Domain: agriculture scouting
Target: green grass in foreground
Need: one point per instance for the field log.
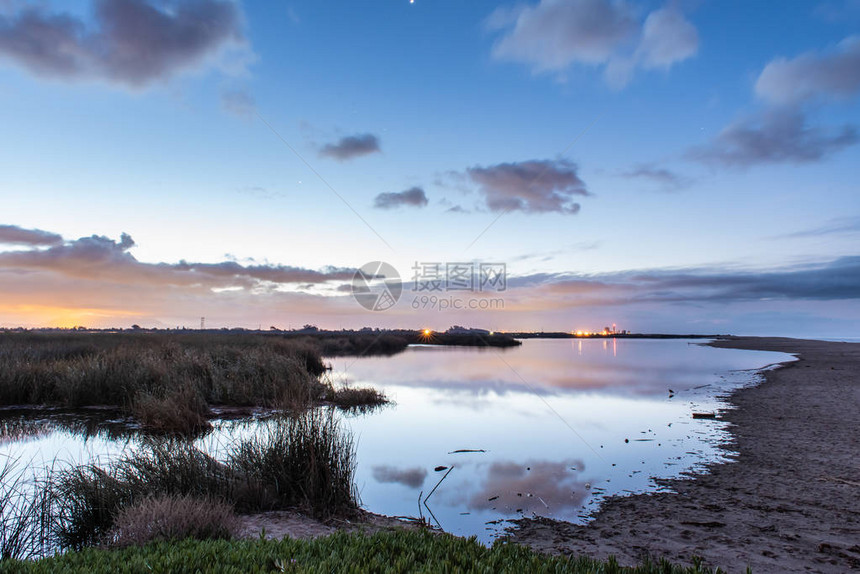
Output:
(395, 551)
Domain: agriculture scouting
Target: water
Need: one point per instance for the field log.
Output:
(556, 425)
(563, 423)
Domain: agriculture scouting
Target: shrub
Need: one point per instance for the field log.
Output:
(166, 518)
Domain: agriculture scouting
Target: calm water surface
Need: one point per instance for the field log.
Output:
(559, 424)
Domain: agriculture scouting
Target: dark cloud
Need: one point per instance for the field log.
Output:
(411, 477)
(554, 34)
(238, 102)
(132, 42)
(14, 235)
(834, 280)
(813, 75)
(351, 147)
(776, 136)
(536, 186)
(101, 258)
(413, 197)
(666, 178)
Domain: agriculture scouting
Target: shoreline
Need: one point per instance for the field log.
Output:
(788, 501)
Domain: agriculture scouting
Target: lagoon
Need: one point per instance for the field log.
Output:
(548, 428)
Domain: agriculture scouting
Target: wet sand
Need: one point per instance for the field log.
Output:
(790, 500)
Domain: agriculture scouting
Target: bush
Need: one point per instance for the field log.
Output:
(166, 518)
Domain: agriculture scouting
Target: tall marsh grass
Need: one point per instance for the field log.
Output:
(303, 462)
(168, 382)
(25, 519)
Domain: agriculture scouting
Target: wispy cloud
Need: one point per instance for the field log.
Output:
(666, 178)
(133, 43)
(351, 147)
(835, 226)
(412, 197)
(238, 102)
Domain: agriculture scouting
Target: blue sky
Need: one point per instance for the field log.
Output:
(595, 142)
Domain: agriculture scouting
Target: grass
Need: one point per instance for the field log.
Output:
(303, 462)
(24, 513)
(168, 382)
(393, 551)
(172, 518)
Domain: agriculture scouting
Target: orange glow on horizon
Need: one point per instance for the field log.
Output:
(59, 317)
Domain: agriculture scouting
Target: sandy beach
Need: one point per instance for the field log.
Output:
(788, 502)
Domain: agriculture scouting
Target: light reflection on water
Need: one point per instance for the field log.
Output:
(551, 416)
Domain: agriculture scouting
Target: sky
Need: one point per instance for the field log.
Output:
(678, 166)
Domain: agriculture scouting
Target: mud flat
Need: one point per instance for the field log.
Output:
(788, 502)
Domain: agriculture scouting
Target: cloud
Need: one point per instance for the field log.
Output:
(238, 102)
(553, 35)
(829, 75)
(834, 280)
(101, 258)
(132, 42)
(535, 186)
(537, 486)
(412, 197)
(836, 226)
(665, 177)
(411, 477)
(14, 235)
(775, 136)
(351, 147)
(667, 38)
